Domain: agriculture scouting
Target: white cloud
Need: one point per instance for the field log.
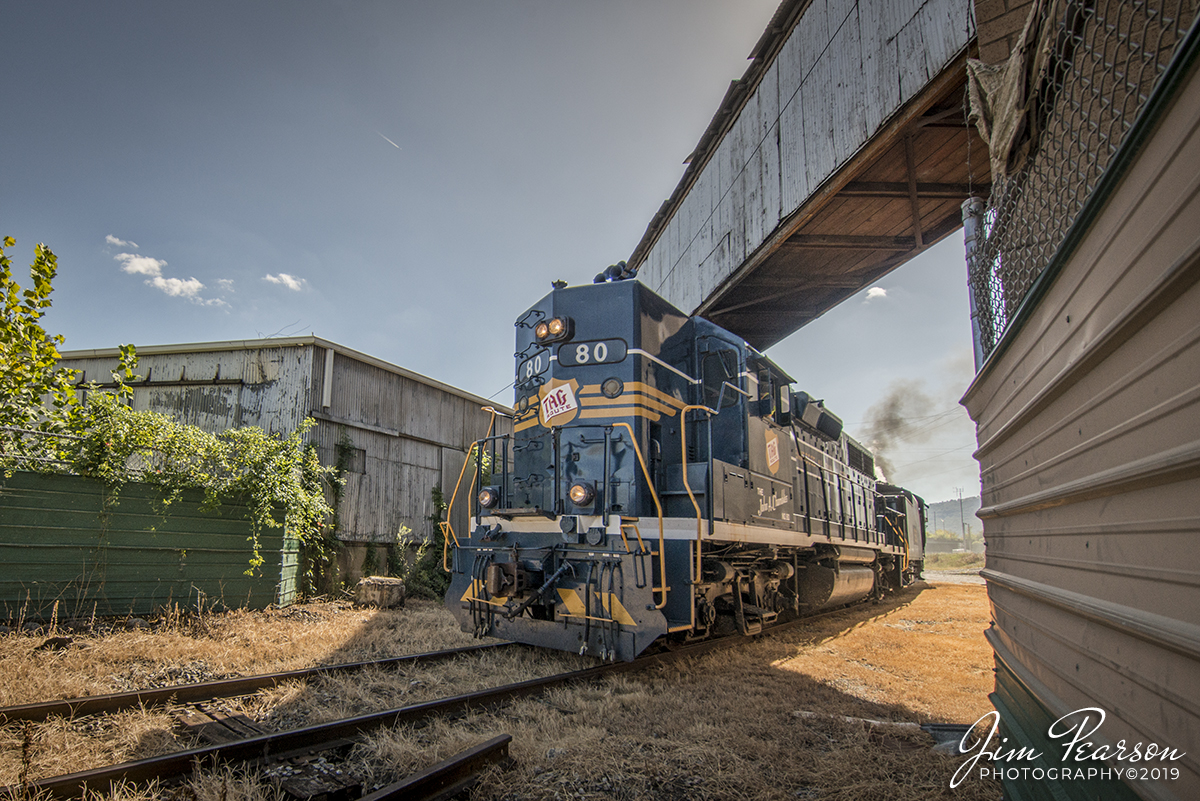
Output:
(875, 292)
(189, 288)
(177, 287)
(112, 240)
(141, 265)
(290, 281)
(225, 284)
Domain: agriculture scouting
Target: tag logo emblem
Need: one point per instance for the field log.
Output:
(559, 404)
(772, 451)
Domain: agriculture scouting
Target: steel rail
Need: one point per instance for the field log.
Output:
(208, 690)
(447, 778)
(311, 739)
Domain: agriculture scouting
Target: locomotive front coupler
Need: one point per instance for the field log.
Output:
(550, 582)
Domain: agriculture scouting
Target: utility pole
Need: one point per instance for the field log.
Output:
(962, 519)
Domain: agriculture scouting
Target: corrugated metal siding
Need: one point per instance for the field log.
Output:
(846, 67)
(403, 424)
(1089, 430)
(63, 539)
(219, 390)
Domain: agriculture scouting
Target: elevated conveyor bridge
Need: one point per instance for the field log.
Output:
(842, 152)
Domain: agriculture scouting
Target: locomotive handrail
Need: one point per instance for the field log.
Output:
(662, 539)
(903, 540)
(687, 484)
(446, 525)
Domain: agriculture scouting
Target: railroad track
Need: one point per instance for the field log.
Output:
(212, 690)
(303, 743)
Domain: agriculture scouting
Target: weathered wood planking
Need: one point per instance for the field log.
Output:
(846, 67)
(399, 424)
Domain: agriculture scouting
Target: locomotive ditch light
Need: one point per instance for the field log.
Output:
(581, 494)
(553, 330)
(488, 497)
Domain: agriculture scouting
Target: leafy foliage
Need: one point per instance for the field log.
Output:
(423, 576)
(103, 438)
(276, 475)
(370, 566)
(29, 356)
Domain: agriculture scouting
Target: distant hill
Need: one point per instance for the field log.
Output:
(945, 515)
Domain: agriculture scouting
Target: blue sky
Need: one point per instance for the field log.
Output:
(404, 178)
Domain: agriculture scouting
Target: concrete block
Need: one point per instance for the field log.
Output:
(380, 591)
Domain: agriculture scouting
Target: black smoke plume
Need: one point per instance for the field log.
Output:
(900, 416)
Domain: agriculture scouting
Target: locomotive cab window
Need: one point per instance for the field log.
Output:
(719, 367)
(774, 394)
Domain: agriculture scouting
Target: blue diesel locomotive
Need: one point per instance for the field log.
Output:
(663, 479)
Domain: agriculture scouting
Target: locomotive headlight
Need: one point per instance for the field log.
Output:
(581, 494)
(488, 497)
(553, 330)
(612, 387)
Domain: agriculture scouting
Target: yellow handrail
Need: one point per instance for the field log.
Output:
(903, 541)
(636, 533)
(662, 540)
(686, 484)
(447, 527)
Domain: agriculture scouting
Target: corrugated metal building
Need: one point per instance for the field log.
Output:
(1085, 279)
(398, 433)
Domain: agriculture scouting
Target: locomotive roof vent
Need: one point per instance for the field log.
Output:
(812, 414)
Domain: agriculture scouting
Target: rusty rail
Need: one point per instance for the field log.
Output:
(209, 690)
(447, 778)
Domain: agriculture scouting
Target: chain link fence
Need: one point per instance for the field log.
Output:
(28, 449)
(1100, 64)
(41, 451)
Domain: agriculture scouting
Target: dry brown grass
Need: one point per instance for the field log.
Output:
(219, 645)
(953, 561)
(931, 653)
(182, 650)
(719, 727)
(723, 726)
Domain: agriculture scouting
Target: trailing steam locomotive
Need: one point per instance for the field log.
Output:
(664, 479)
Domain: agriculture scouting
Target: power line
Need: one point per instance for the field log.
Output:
(497, 392)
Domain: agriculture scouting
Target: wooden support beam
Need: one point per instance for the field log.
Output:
(947, 118)
(926, 191)
(891, 243)
(946, 84)
(790, 314)
(845, 282)
(915, 201)
(817, 280)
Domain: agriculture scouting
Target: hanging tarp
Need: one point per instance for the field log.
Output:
(1010, 101)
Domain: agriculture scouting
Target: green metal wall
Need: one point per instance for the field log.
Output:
(68, 539)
